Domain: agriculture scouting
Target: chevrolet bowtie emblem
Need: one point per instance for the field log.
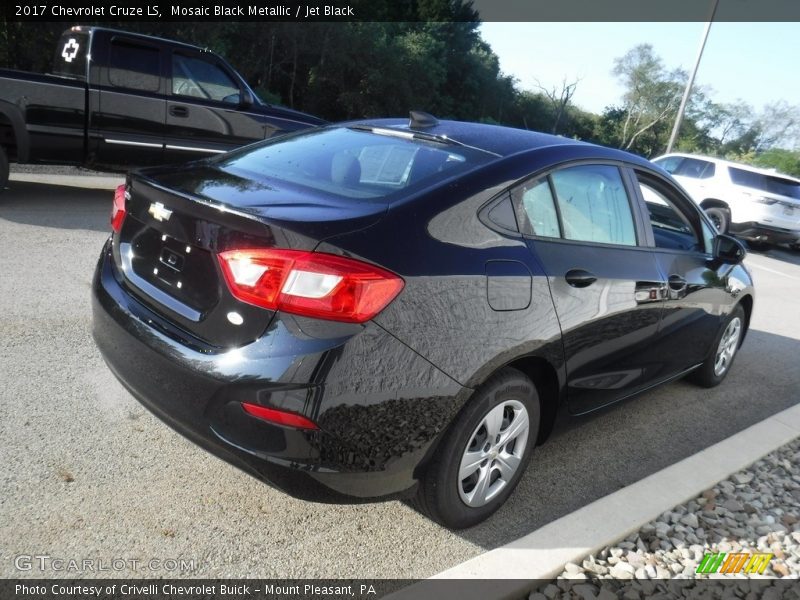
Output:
(158, 211)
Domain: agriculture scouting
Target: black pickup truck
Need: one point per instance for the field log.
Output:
(118, 100)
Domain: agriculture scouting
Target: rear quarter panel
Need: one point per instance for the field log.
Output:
(440, 247)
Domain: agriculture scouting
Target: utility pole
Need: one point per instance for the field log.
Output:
(682, 109)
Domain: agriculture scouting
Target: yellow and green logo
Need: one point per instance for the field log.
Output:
(734, 562)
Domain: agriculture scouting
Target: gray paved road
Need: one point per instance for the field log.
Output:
(89, 474)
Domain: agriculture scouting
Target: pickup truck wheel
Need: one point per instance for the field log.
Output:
(3, 169)
(720, 217)
(484, 454)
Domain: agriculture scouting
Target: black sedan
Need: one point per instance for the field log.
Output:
(394, 308)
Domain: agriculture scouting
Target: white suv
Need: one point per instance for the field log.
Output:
(755, 204)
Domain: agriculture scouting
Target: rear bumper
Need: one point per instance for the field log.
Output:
(379, 405)
(763, 233)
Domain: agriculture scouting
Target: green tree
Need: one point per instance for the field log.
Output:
(779, 125)
(780, 159)
(651, 98)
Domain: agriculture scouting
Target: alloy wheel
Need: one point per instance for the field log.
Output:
(727, 346)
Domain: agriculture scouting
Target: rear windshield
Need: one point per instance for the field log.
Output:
(352, 163)
(766, 183)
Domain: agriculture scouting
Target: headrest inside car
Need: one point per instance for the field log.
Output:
(345, 169)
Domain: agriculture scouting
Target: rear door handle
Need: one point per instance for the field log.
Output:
(579, 278)
(179, 111)
(676, 282)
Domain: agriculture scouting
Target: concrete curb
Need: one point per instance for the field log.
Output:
(94, 182)
(541, 555)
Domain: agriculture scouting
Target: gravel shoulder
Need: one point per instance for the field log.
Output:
(756, 510)
(60, 170)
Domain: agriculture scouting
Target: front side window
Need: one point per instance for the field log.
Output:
(694, 168)
(669, 164)
(199, 78)
(671, 228)
(134, 66)
(594, 205)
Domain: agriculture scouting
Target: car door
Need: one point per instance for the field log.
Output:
(204, 112)
(55, 110)
(582, 226)
(129, 108)
(696, 298)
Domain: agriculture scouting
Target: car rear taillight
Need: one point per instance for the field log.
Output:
(118, 209)
(311, 284)
(280, 417)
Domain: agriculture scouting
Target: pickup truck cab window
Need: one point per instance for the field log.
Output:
(198, 78)
(134, 66)
(70, 55)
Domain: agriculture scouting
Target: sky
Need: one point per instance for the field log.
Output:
(754, 62)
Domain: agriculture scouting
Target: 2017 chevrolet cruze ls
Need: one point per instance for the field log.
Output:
(393, 308)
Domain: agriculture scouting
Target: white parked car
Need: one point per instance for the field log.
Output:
(756, 204)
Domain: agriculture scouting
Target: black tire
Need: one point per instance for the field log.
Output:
(706, 375)
(795, 246)
(720, 217)
(3, 169)
(440, 491)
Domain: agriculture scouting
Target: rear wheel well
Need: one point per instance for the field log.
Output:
(714, 203)
(545, 378)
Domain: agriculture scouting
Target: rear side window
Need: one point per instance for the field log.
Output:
(134, 66)
(352, 163)
(766, 183)
(538, 208)
(594, 205)
(199, 78)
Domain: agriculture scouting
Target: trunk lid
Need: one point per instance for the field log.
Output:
(179, 219)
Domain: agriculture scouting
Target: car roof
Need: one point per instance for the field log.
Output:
(497, 139)
(730, 163)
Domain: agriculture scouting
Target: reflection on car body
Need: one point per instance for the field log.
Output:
(414, 301)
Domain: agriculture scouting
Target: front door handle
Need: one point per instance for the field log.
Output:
(676, 282)
(179, 111)
(579, 278)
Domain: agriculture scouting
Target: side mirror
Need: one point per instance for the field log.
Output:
(246, 99)
(728, 249)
